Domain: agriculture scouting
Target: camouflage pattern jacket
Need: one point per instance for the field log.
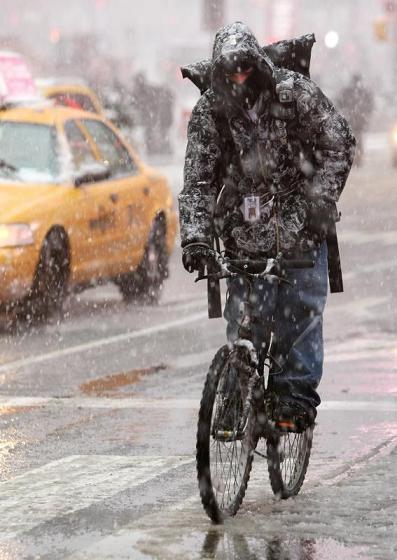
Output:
(294, 152)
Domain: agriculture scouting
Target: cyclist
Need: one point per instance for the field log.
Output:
(266, 160)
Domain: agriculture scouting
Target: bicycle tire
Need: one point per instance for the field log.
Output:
(288, 473)
(210, 487)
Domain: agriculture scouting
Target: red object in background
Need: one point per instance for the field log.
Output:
(390, 5)
(68, 101)
(16, 81)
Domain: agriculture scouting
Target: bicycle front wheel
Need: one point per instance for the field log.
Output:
(288, 457)
(224, 453)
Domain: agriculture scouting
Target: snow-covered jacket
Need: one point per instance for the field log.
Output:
(295, 154)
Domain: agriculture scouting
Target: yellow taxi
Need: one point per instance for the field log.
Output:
(68, 94)
(77, 206)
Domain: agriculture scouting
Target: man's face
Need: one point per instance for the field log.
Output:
(240, 76)
(244, 83)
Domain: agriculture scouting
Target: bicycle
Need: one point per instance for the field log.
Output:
(236, 411)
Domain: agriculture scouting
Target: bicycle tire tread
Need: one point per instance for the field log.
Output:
(208, 499)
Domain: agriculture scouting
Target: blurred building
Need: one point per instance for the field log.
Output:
(103, 37)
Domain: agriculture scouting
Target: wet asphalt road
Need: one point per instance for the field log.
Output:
(98, 415)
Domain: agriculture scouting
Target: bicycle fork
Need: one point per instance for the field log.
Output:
(244, 382)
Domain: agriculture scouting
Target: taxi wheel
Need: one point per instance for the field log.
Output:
(146, 282)
(50, 282)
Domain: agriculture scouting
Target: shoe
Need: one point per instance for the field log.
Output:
(291, 416)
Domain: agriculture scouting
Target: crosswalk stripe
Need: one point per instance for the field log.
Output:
(87, 402)
(73, 483)
(168, 404)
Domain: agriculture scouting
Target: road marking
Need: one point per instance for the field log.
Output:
(359, 237)
(359, 355)
(73, 483)
(383, 405)
(388, 264)
(86, 402)
(102, 342)
(360, 348)
(363, 308)
(382, 449)
(334, 352)
(363, 343)
(347, 406)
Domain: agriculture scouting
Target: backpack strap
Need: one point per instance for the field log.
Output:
(285, 107)
(214, 289)
(334, 265)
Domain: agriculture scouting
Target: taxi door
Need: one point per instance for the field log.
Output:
(127, 191)
(90, 215)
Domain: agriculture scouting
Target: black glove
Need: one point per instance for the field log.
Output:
(321, 219)
(195, 256)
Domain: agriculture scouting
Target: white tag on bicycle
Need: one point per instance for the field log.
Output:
(252, 208)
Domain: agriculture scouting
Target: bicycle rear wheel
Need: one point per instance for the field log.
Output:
(288, 457)
(224, 456)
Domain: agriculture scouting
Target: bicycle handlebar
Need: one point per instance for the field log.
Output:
(270, 267)
(283, 263)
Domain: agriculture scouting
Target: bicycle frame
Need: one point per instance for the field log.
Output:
(238, 407)
(254, 373)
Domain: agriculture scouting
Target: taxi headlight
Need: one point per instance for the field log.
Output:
(15, 235)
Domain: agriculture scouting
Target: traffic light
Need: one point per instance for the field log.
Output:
(381, 29)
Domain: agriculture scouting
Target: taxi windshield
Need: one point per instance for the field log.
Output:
(28, 152)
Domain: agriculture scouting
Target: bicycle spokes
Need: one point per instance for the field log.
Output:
(227, 463)
(292, 454)
(227, 448)
(288, 458)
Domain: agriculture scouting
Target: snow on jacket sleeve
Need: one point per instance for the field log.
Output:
(198, 197)
(332, 139)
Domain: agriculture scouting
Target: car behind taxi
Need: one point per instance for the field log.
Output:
(70, 93)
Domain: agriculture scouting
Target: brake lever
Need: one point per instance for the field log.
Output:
(200, 275)
(214, 276)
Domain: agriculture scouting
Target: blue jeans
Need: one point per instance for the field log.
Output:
(294, 313)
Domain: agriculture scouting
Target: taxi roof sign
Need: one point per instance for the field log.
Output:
(16, 81)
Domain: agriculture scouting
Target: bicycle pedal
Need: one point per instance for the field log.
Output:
(225, 435)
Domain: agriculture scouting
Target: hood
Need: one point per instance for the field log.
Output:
(236, 45)
(236, 38)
